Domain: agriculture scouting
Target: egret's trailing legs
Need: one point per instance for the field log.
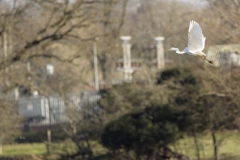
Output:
(205, 58)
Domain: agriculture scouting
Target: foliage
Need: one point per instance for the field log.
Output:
(193, 95)
(197, 103)
(126, 98)
(205, 93)
(146, 132)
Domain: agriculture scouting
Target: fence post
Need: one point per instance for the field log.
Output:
(48, 141)
(1, 148)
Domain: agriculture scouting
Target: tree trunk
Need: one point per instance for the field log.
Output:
(196, 145)
(90, 153)
(1, 148)
(215, 146)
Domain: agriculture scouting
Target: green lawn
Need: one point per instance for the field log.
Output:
(229, 146)
(24, 149)
(40, 148)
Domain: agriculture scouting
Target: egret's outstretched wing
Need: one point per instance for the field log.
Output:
(196, 40)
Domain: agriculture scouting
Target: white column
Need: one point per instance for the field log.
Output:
(127, 68)
(16, 93)
(95, 62)
(160, 53)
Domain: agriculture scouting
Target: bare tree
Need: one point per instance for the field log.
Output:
(10, 122)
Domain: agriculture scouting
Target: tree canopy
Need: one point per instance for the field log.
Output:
(147, 132)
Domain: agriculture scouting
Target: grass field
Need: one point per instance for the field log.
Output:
(229, 143)
(229, 146)
(24, 149)
(40, 148)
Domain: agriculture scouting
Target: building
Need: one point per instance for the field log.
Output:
(40, 110)
(225, 56)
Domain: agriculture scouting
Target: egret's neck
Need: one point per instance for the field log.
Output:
(177, 50)
(180, 52)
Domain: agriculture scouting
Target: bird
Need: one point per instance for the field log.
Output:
(196, 42)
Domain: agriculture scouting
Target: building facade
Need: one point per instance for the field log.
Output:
(225, 56)
(40, 110)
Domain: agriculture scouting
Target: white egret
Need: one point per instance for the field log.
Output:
(196, 42)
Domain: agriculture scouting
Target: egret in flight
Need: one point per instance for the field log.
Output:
(196, 42)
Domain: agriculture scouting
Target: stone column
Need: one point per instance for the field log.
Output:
(95, 62)
(160, 53)
(127, 68)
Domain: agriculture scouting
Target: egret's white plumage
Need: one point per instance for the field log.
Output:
(196, 42)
